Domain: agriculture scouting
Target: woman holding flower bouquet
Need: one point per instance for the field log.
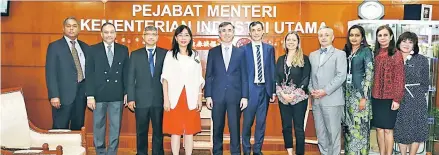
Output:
(292, 78)
(358, 109)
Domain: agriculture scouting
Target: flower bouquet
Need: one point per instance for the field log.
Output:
(289, 94)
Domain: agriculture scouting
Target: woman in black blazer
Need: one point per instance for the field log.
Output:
(293, 68)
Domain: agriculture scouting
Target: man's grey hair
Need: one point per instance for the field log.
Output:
(223, 24)
(150, 28)
(326, 27)
(68, 18)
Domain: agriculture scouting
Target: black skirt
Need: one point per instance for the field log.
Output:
(382, 115)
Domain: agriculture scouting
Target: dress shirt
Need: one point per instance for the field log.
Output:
(226, 54)
(81, 55)
(153, 52)
(322, 55)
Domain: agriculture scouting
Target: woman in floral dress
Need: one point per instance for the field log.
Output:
(358, 111)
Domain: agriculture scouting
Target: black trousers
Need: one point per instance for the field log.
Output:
(296, 114)
(143, 115)
(73, 113)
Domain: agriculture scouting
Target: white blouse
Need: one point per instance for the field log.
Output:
(184, 72)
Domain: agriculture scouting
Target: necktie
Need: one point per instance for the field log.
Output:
(110, 55)
(323, 50)
(259, 62)
(227, 58)
(151, 61)
(77, 62)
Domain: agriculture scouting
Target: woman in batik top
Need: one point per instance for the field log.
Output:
(358, 110)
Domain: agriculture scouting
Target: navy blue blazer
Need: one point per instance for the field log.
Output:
(220, 83)
(105, 83)
(61, 74)
(269, 67)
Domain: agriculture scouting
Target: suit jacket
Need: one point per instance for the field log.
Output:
(329, 76)
(61, 74)
(146, 90)
(107, 83)
(220, 83)
(269, 67)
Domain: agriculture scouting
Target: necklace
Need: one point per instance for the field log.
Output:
(287, 70)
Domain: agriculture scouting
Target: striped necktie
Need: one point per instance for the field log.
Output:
(259, 62)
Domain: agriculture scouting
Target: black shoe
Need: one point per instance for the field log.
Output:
(246, 153)
(260, 153)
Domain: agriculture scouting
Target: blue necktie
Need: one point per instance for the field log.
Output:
(151, 61)
(259, 62)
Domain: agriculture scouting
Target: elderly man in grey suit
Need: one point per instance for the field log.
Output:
(328, 73)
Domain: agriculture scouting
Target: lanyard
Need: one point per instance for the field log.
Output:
(350, 61)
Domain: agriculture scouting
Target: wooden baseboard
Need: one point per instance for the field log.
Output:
(270, 143)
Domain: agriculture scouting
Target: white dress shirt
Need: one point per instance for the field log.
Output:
(153, 53)
(184, 72)
(255, 58)
(81, 55)
(227, 54)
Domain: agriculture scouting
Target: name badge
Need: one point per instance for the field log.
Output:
(349, 79)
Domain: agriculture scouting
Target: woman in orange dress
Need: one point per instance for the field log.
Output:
(182, 91)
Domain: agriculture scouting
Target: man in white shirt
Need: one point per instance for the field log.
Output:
(106, 88)
(226, 88)
(261, 69)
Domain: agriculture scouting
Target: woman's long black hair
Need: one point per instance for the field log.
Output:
(348, 45)
(391, 48)
(175, 48)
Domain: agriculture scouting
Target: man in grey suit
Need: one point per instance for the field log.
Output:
(328, 73)
(106, 88)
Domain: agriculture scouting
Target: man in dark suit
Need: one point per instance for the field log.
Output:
(226, 88)
(107, 71)
(145, 93)
(65, 78)
(261, 68)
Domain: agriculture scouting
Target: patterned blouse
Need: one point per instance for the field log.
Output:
(389, 77)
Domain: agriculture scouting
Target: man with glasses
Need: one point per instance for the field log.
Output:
(145, 93)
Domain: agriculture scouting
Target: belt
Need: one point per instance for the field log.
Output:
(259, 84)
(409, 85)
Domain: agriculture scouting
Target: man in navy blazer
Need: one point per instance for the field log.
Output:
(65, 77)
(226, 88)
(261, 69)
(107, 71)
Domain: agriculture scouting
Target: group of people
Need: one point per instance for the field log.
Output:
(385, 88)
(354, 87)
